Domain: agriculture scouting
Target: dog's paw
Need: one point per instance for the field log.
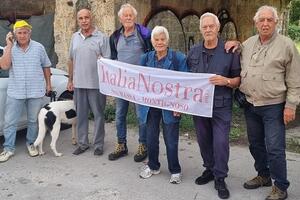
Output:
(41, 153)
(58, 154)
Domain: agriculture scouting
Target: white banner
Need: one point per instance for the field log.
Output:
(183, 92)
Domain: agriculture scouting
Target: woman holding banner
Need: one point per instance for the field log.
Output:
(164, 58)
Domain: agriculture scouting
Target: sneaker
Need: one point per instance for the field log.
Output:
(79, 150)
(221, 187)
(120, 151)
(147, 172)
(258, 181)
(32, 150)
(5, 155)
(175, 178)
(141, 153)
(206, 177)
(277, 194)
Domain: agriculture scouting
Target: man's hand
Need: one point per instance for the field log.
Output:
(9, 39)
(176, 114)
(233, 44)
(218, 80)
(70, 86)
(289, 115)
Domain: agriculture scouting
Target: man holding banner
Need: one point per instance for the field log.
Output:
(213, 133)
(127, 45)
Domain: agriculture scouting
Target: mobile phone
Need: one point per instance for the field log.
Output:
(13, 37)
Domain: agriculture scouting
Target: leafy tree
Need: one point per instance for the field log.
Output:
(295, 12)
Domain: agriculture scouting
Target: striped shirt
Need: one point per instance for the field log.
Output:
(26, 76)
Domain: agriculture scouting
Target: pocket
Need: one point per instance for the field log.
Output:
(273, 85)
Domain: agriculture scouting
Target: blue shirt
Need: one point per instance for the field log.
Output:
(130, 48)
(168, 62)
(216, 61)
(26, 76)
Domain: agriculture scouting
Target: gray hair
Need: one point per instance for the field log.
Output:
(208, 14)
(266, 7)
(158, 30)
(127, 5)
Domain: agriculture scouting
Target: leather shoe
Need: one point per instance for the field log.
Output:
(79, 150)
(98, 152)
(206, 177)
(221, 187)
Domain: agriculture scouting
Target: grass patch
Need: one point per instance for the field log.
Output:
(237, 133)
(293, 145)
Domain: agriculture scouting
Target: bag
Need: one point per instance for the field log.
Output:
(240, 98)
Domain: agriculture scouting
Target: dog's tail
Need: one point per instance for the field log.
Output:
(42, 127)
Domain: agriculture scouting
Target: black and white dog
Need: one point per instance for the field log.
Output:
(50, 118)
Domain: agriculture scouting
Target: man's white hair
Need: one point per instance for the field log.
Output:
(158, 30)
(208, 14)
(127, 5)
(266, 7)
(29, 30)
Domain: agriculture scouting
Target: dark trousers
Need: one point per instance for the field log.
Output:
(266, 135)
(171, 137)
(213, 139)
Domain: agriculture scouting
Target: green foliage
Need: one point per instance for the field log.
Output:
(109, 113)
(294, 32)
(295, 12)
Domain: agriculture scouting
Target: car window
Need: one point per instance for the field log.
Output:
(3, 73)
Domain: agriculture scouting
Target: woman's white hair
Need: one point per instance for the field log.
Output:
(15, 31)
(127, 5)
(158, 30)
(208, 14)
(266, 7)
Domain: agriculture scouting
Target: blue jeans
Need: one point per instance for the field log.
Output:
(121, 113)
(266, 135)
(171, 137)
(13, 112)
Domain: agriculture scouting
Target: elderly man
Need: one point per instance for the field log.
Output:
(213, 133)
(127, 45)
(270, 80)
(29, 79)
(86, 46)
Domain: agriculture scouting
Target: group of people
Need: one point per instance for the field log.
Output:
(265, 68)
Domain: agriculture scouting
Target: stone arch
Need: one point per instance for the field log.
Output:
(228, 29)
(168, 18)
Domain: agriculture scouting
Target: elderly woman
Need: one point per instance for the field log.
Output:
(165, 58)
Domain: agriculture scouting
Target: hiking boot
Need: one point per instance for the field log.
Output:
(147, 172)
(175, 178)
(120, 151)
(32, 150)
(206, 177)
(277, 194)
(5, 155)
(141, 153)
(221, 187)
(258, 181)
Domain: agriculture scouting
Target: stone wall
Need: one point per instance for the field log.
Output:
(180, 17)
(65, 23)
